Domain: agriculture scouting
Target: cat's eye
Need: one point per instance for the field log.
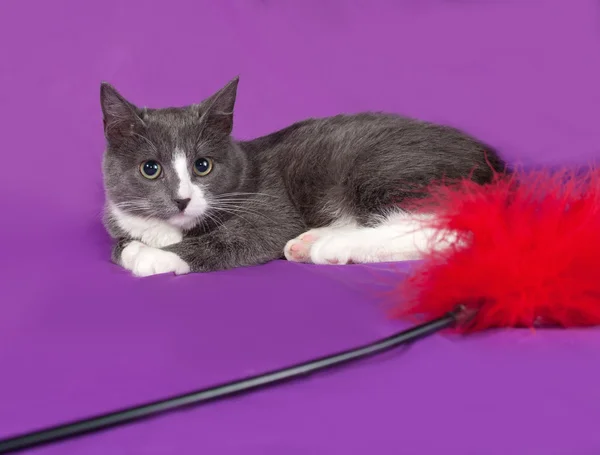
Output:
(203, 166)
(150, 169)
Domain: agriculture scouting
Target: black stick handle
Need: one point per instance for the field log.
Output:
(128, 415)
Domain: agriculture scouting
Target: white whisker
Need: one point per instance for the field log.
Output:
(239, 210)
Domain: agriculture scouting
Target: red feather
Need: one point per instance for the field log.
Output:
(530, 254)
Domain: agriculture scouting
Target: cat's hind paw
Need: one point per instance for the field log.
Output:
(143, 260)
(327, 246)
(301, 249)
(334, 249)
(298, 249)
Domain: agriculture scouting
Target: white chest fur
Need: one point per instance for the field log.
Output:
(151, 232)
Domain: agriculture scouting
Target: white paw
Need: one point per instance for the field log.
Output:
(298, 249)
(143, 260)
(164, 236)
(336, 248)
(302, 248)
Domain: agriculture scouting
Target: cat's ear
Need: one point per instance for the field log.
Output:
(121, 118)
(217, 111)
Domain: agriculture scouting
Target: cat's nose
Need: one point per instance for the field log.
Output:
(181, 203)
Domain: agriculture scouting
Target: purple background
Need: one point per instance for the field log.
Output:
(79, 336)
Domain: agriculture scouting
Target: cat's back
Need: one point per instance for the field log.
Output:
(356, 134)
(335, 130)
(389, 147)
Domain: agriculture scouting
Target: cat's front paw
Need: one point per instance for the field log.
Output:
(143, 260)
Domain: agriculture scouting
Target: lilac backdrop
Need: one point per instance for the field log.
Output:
(79, 336)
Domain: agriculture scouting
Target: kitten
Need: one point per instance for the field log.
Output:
(184, 196)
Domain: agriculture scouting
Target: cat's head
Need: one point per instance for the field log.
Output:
(168, 164)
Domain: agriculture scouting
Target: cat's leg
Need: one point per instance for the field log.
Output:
(257, 238)
(399, 237)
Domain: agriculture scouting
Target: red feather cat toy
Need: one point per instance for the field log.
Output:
(526, 252)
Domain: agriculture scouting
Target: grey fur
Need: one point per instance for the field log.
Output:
(304, 176)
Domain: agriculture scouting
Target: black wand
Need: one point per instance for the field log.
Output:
(128, 415)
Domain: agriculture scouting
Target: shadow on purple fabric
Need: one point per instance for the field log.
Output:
(79, 336)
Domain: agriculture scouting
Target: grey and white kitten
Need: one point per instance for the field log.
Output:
(184, 196)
